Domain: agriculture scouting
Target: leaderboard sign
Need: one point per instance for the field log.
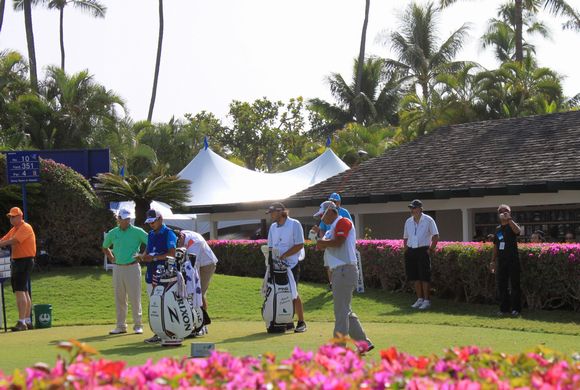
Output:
(23, 167)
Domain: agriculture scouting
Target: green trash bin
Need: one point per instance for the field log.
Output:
(43, 316)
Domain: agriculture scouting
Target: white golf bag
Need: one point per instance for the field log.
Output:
(170, 313)
(278, 306)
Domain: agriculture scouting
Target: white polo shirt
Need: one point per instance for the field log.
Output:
(196, 244)
(420, 234)
(282, 238)
(346, 253)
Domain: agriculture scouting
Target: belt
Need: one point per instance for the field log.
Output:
(135, 262)
(420, 247)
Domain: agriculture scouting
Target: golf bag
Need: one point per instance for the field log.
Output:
(186, 265)
(170, 313)
(278, 306)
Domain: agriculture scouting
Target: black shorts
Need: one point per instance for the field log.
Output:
(418, 264)
(21, 269)
(296, 273)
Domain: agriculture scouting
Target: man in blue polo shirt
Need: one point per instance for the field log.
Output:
(322, 228)
(161, 243)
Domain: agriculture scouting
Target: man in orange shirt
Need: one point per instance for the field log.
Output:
(23, 241)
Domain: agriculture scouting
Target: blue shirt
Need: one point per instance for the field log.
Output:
(342, 212)
(159, 243)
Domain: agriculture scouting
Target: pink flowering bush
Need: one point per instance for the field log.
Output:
(460, 270)
(331, 367)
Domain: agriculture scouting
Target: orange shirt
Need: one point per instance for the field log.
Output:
(25, 245)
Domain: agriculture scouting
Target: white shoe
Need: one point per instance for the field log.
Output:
(118, 331)
(138, 329)
(417, 304)
(425, 305)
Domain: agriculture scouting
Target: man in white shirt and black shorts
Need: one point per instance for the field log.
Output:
(420, 238)
(286, 241)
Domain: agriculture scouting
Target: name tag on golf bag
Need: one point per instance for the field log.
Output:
(170, 316)
(278, 307)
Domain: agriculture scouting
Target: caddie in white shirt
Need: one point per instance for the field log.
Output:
(420, 238)
(286, 241)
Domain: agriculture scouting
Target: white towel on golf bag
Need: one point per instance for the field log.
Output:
(192, 284)
(291, 282)
(181, 287)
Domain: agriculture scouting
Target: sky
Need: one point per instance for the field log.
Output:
(222, 50)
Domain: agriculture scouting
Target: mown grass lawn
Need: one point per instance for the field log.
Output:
(84, 296)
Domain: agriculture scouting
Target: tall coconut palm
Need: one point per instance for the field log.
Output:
(420, 57)
(168, 189)
(501, 32)
(555, 7)
(26, 6)
(361, 54)
(157, 63)
(376, 102)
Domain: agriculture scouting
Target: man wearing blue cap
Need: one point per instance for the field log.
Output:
(322, 228)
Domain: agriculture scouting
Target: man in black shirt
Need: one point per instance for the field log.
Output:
(507, 262)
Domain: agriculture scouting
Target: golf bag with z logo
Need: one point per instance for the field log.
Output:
(278, 306)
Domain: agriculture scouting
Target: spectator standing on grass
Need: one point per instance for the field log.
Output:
(506, 262)
(286, 241)
(126, 240)
(22, 239)
(420, 239)
(161, 243)
(322, 228)
(339, 245)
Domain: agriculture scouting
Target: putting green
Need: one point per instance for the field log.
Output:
(23, 349)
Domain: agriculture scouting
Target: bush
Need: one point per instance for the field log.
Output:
(331, 367)
(66, 213)
(461, 271)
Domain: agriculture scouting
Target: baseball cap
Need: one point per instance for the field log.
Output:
(416, 203)
(334, 196)
(275, 207)
(324, 206)
(124, 214)
(152, 215)
(14, 211)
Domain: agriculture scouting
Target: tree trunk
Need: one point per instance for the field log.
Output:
(30, 43)
(2, 6)
(519, 27)
(361, 62)
(157, 62)
(62, 38)
(141, 207)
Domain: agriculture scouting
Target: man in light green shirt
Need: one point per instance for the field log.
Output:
(126, 240)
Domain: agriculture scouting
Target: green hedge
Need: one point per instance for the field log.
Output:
(64, 210)
(460, 271)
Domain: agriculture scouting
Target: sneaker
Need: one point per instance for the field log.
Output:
(205, 329)
(153, 340)
(370, 347)
(425, 305)
(329, 286)
(290, 326)
(118, 331)
(300, 327)
(138, 329)
(29, 326)
(19, 327)
(417, 303)
(515, 313)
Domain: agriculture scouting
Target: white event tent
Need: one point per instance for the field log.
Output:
(217, 181)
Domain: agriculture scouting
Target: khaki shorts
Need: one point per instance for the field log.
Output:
(205, 274)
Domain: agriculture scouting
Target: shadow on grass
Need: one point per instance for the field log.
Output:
(255, 337)
(136, 348)
(318, 301)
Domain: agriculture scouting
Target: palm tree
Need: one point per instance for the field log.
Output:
(97, 9)
(168, 189)
(376, 102)
(83, 109)
(501, 32)
(555, 7)
(157, 62)
(26, 6)
(361, 54)
(419, 57)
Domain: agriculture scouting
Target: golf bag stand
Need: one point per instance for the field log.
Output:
(278, 306)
